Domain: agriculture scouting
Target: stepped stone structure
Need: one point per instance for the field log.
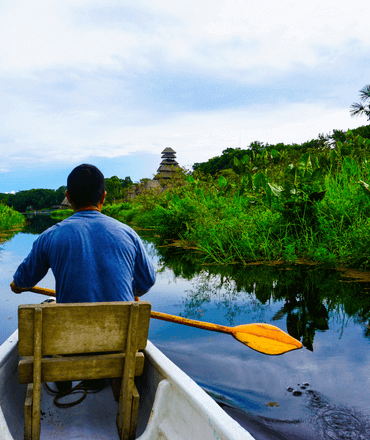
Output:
(166, 169)
(168, 165)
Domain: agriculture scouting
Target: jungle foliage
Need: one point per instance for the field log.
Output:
(269, 204)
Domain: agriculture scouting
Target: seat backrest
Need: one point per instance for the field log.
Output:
(91, 331)
(82, 327)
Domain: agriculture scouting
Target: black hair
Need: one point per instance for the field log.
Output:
(85, 185)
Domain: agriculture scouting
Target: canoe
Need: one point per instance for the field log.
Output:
(172, 406)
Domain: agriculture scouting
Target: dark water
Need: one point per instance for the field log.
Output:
(329, 315)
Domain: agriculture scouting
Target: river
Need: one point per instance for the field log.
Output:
(317, 393)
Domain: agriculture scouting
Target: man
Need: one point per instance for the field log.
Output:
(94, 258)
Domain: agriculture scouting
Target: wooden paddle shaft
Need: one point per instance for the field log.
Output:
(191, 322)
(43, 291)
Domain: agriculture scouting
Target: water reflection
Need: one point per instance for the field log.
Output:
(311, 296)
(38, 223)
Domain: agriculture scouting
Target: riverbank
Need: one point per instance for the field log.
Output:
(315, 209)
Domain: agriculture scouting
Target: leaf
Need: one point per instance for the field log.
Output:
(276, 190)
(271, 404)
(222, 182)
(305, 165)
(190, 179)
(274, 153)
(315, 161)
(318, 176)
(304, 160)
(246, 159)
(236, 161)
(259, 181)
(247, 180)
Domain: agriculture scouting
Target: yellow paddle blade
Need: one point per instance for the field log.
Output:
(265, 338)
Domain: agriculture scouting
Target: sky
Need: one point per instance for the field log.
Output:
(113, 83)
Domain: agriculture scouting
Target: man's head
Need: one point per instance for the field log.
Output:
(85, 186)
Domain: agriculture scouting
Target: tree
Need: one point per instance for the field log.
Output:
(363, 107)
(115, 188)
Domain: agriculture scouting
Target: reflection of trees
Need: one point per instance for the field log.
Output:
(36, 224)
(223, 290)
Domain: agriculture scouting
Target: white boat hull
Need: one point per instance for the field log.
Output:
(172, 406)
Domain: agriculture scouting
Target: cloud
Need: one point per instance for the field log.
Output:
(208, 35)
(195, 136)
(91, 78)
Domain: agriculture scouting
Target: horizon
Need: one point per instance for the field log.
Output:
(137, 181)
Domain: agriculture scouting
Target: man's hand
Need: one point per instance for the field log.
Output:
(17, 289)
(138, 292)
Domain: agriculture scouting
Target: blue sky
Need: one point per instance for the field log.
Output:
(113, 83)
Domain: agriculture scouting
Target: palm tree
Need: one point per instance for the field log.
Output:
(362, 108)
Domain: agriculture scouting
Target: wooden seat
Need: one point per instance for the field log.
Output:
(88, 333)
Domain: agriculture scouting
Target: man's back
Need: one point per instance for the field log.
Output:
(93, 257)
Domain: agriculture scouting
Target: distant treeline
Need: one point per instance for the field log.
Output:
(33, 199)
(291, 151)
(37, 199)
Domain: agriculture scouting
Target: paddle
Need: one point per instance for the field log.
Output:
(264, 338)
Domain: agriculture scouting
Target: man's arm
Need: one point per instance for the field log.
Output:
(32, 270)
(144, 273)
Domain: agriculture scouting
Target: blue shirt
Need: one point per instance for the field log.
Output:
(93, 257)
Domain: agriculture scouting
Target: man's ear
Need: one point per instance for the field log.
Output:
(102, 198)
(69, 199)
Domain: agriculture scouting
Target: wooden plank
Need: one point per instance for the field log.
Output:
(36, 395)
(134, 412)
(86, 327)
(79, 367)
(28, 413)
(125, 401)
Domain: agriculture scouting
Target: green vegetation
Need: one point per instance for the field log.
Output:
(269, 205)
(116, 188)
(61, 214)
(10, 219)
(34, 199)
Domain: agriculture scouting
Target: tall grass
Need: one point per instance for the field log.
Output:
(10, 219)
(61, 214)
